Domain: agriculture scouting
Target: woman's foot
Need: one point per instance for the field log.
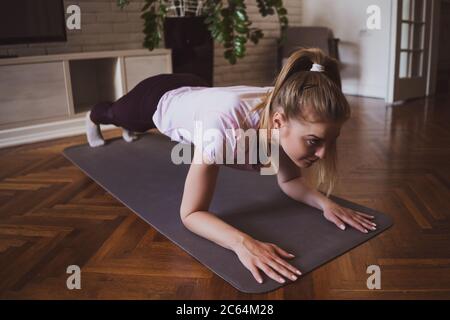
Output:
(128, 135)
(93, 133)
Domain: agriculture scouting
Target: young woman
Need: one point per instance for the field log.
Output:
(306, 108)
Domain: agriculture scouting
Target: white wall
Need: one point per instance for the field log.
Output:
(364, 53)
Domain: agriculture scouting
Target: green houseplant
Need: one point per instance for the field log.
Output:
(227, 20)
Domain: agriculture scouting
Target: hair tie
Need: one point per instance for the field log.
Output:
(317, 67)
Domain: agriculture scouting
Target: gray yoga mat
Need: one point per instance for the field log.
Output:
(141, 175)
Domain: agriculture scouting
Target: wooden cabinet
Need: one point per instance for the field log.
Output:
(32, 91)
(47, 97)
(140, 68)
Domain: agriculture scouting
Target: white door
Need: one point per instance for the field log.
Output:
(410, 49)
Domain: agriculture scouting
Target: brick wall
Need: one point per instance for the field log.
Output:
(104, 26)
(258, 67)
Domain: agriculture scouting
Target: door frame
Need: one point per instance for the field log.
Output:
(432, 56)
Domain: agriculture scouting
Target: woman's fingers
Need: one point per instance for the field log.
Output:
(364, 215)
(337, 221)
(348, 219)
(271, 264)
(282, 262)
(365, 220)
(354, 223)
(255, 272)
(362, 219)
(275, 264)
(272, 274)
(365, 223)
(282, 252)
(258, 255)
(288, 266)
(358, 221)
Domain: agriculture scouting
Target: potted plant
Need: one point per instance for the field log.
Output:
(227, 21)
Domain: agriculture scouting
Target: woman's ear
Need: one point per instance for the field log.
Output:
(278, 119)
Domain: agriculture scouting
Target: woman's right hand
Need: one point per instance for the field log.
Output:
(268, 257)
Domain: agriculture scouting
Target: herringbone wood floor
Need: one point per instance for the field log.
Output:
(394, 159)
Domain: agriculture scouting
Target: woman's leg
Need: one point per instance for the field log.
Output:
(134, 111)
(125, 113)
(93, 133)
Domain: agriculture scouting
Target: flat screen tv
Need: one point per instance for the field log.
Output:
(28, 21)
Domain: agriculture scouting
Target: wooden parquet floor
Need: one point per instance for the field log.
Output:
(395, 159)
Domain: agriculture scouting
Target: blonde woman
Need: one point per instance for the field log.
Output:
(305, 107)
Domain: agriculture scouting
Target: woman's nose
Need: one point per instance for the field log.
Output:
(320, 152)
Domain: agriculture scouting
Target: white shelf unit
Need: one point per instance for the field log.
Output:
(47, 97)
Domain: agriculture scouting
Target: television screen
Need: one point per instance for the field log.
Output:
(26, 21)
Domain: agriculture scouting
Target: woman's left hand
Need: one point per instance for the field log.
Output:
(341, 216)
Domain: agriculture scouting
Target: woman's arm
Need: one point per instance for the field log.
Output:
(198, 192)
(299, 190)
(254, 254)
(293, 184)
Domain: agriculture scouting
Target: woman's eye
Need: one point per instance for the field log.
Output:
(313, 142)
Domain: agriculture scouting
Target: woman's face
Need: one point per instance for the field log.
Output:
(305, 142)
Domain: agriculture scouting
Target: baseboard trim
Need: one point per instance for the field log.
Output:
(363, 90)
(43, 132)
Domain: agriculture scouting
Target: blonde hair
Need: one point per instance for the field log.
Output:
(304, 94)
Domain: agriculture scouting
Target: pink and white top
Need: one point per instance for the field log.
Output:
(223, 108)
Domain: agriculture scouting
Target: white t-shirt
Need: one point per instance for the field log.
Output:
(226, 109)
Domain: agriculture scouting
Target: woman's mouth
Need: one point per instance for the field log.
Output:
(309, 161)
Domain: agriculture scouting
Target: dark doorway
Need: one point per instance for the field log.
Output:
(443, 66)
